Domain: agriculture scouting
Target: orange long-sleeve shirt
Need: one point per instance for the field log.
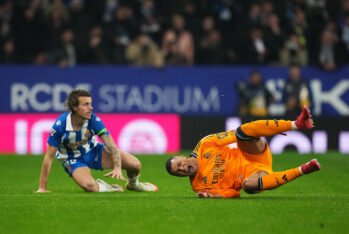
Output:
(223, 169)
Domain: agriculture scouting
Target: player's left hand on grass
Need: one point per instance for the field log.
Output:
(117, 174)
(206, 194)
(202, 194)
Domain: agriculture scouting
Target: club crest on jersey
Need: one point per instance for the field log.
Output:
(88, 134)
(207, 155)
(204, 179)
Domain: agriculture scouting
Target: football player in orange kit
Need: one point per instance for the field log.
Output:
(215, 170)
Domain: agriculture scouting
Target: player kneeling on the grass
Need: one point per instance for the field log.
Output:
(72, 140)
(215, 170)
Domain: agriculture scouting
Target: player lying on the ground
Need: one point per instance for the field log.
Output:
(72, 140)
(215, 170)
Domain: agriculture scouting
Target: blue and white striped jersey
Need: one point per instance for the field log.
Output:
(74, 144)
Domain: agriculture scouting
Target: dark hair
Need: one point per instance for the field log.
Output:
(168, 165)
(73, 98)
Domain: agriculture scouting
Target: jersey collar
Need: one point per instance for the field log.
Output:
(69, 125)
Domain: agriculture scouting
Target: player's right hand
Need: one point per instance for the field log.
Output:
(116, 173)
(42, 190)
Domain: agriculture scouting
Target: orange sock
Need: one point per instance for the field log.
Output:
(276, 179)
(261, 128)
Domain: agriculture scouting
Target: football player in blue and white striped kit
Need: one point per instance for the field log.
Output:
(72, 141)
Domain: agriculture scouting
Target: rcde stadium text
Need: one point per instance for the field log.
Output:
(114, 98)
(151, 98)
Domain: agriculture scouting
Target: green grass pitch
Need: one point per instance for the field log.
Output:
(318, 203)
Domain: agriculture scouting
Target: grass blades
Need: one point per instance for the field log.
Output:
(318, 203)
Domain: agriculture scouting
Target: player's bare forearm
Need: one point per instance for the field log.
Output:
(115, 155)
(112, 149)
(46, 168)
(45, 171)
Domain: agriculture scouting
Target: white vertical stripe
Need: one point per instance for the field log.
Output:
(72, 137)
(84, 130)
(36, 135)
(344, 142)
(21, 129)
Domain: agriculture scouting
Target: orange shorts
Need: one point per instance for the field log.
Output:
(258, 162)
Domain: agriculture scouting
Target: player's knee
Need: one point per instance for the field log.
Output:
(250, 186)
(137, 166)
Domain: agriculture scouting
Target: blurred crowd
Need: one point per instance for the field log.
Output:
(175, 32)
(255, 98)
